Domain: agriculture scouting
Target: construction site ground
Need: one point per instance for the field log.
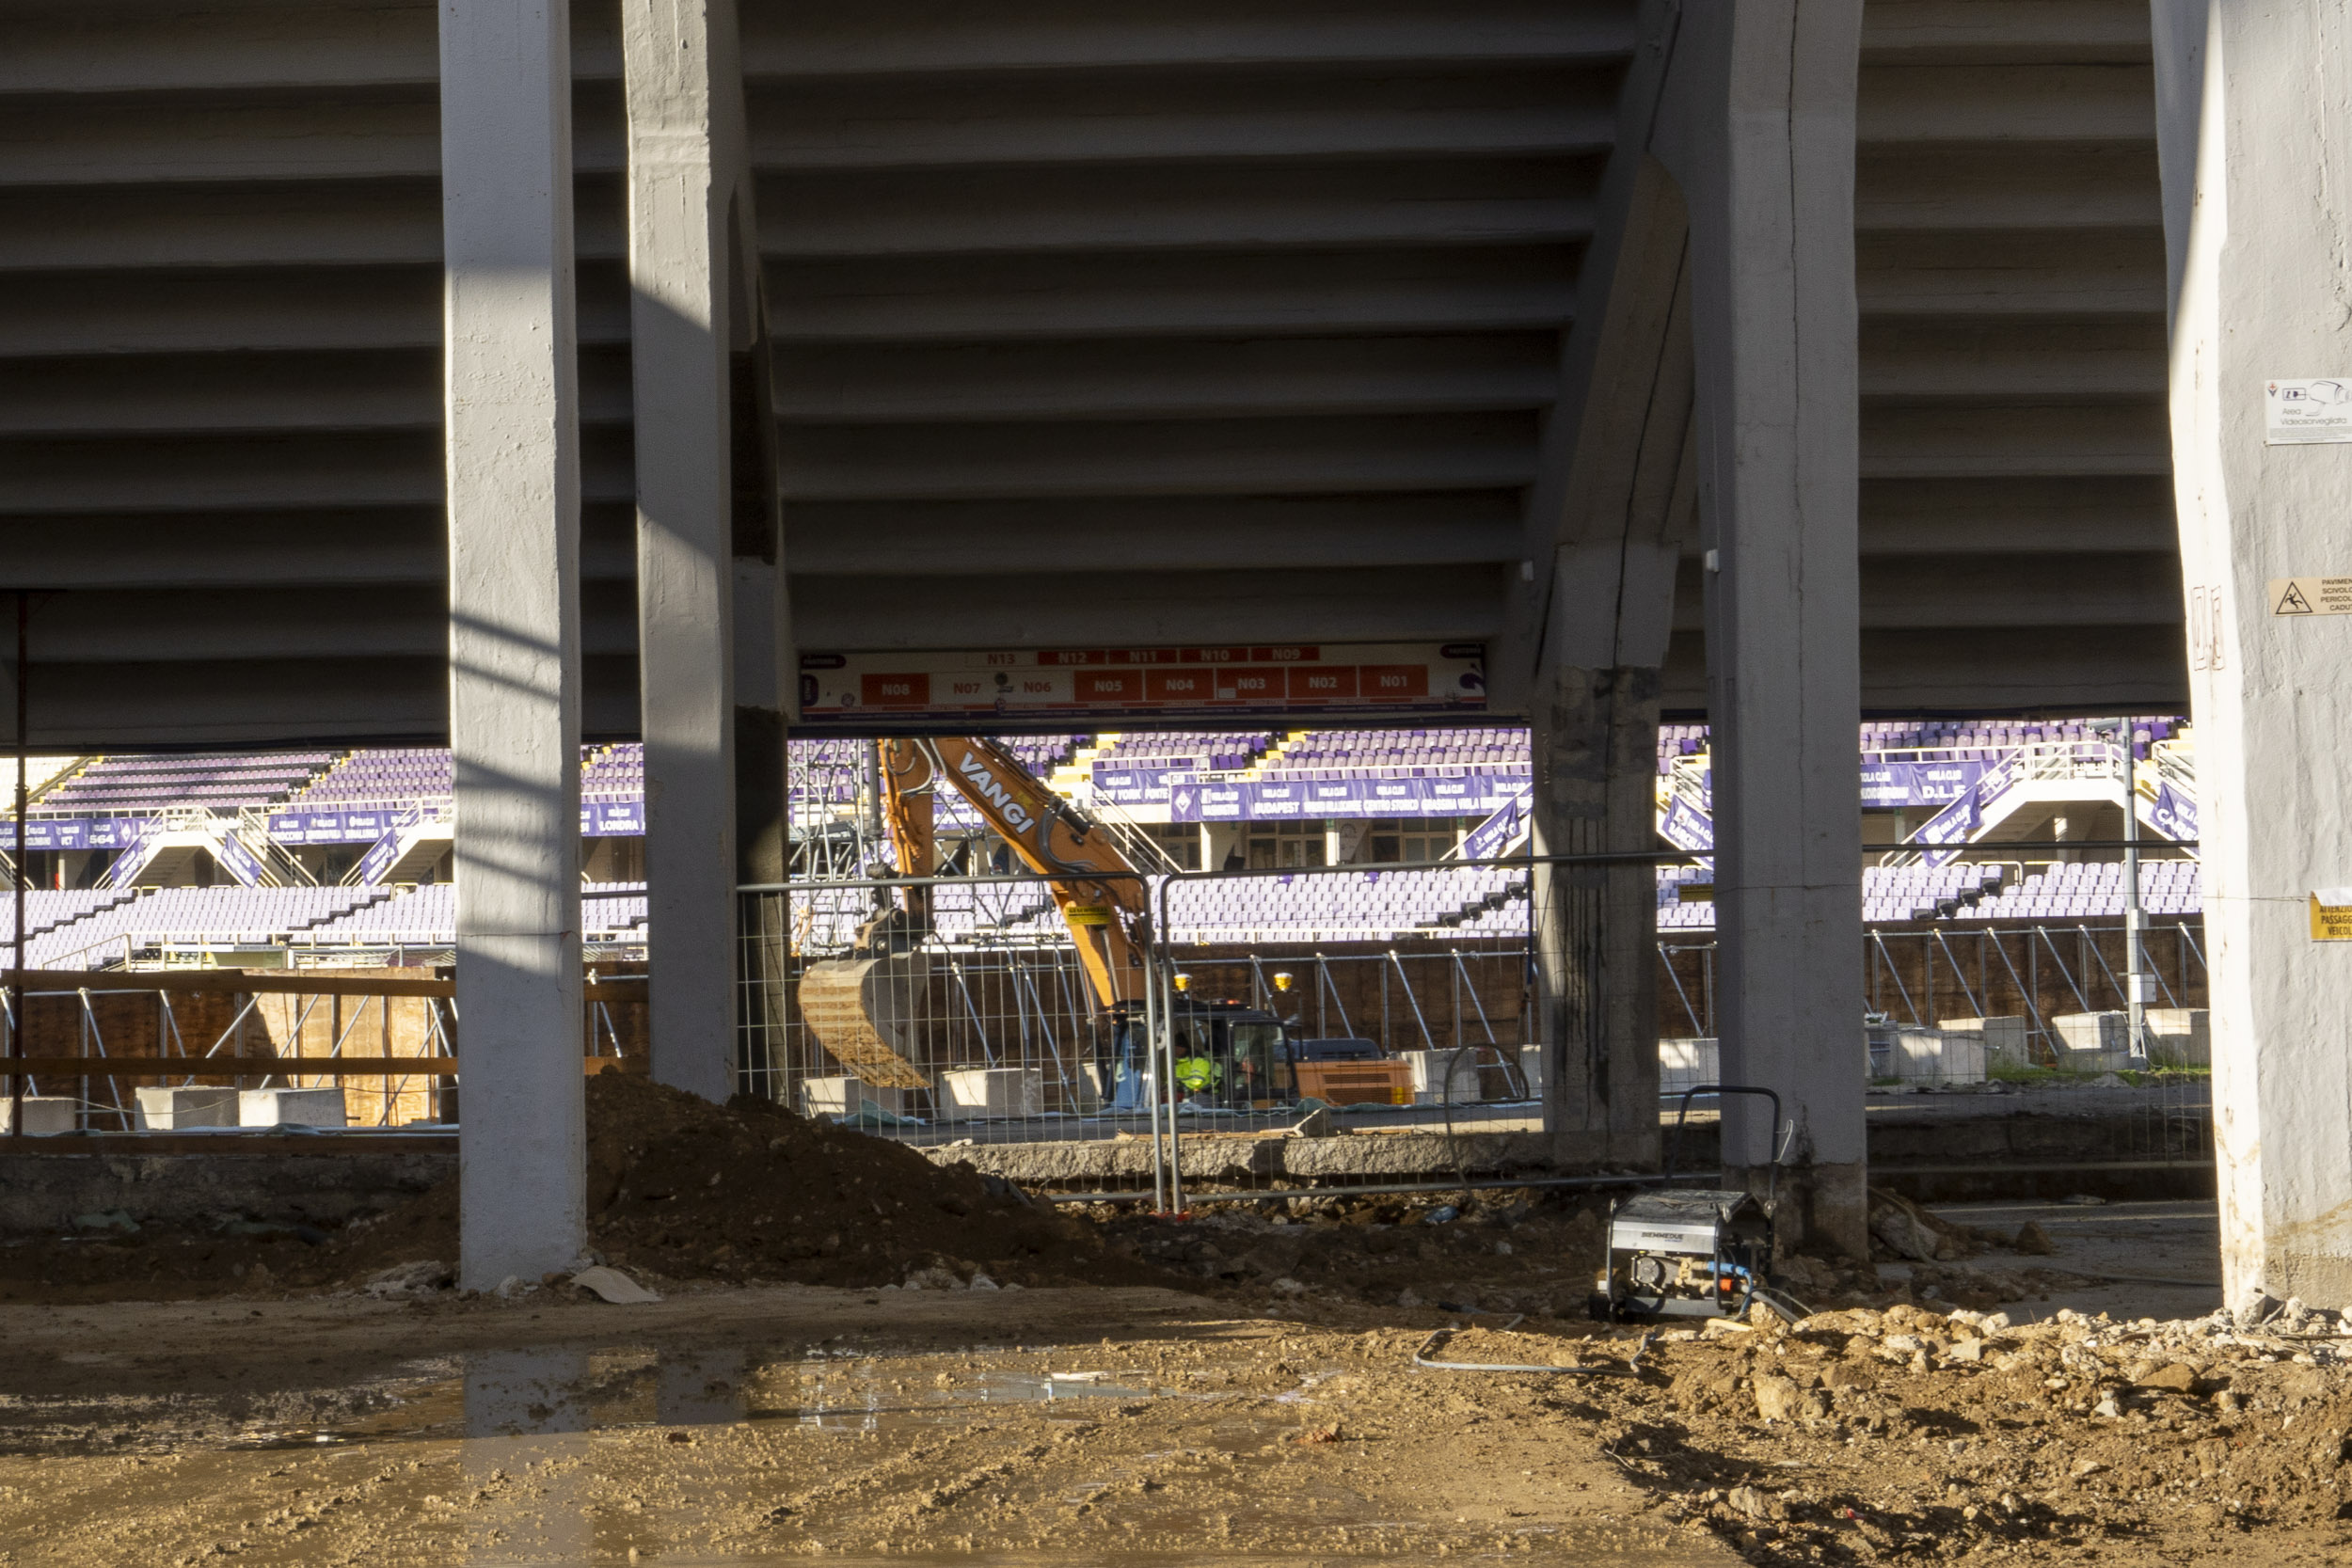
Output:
(984, 1379)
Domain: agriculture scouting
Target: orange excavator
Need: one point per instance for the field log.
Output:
(864, 1009)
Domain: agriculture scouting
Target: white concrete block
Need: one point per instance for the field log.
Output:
(1431, 1069)
(164, 1110)
(967, 1094)
(2180, 1037)
(843, 1094)
(2109, 1031)
(1934, 1058)
(2094, 1042)
(1532, 1068)
(44, 1113)
(1686, 1064)
(2003, 1039)
(290, 1108)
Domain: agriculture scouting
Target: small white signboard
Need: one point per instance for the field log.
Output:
(2298, 411)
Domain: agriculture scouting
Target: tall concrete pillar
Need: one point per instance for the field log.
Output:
(1757, 124)
(1608, 520)
(512, 432)
(683, 95)
(767, 694)
(766, 688)
(2251, 104)
(1595, 743)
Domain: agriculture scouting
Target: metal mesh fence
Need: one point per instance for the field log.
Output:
(1404, 1004)
(983, 1034)
(1311, 1028)
(1382, 998)
(2039, 1016)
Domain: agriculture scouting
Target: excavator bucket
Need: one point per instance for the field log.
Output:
(867, 1011)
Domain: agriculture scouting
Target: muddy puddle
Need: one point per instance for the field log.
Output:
(1243, 1442)
(557, 1392)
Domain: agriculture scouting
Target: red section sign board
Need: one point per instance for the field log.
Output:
(1389, 680)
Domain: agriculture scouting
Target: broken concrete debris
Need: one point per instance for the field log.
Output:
(611, 1285)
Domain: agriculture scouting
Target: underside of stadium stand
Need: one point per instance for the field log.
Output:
(1080, 326)
(1269, 415)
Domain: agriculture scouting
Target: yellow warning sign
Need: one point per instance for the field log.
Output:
(1086, 914)
(2310, 595)
(2331, 914)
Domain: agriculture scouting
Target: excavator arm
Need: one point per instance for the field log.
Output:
(906, 803)
(867, 1009)
(1094, 885)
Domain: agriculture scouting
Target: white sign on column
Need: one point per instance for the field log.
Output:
(2300, 410)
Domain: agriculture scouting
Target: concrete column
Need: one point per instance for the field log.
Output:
(767, 686)
(2252, 103)
(512, 413)
(682, 92)
(1758, 126)
(1608, 520)
(1596, 740)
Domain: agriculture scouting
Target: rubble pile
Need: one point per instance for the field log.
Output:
(1874, 1435)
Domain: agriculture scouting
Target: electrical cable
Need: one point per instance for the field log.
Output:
(1632, 1368)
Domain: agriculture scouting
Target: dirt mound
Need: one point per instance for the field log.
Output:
(681, 1189)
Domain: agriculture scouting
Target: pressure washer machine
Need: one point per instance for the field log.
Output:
(1703, 1253)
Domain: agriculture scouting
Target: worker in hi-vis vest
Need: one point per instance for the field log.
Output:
(1198, 1074)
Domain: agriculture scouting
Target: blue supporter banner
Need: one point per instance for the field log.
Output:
(597, 819)
(330, 827)
(379, 860)
(1337, 795)
(2174, 815)
(1208, 803)
(1686, 827)
(56, 832)
(613, 818)
(1499, 834)
(236, 858)
(79, 832)
(1135, 787)
(1947, 832)
(1275, 800)
(1887, 785)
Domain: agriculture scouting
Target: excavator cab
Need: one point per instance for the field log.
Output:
(1227, 1056)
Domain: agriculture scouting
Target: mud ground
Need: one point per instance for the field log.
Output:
(745, 1424)
(742, 1424)
(864, 1356)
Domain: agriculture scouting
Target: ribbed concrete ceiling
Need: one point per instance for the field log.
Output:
(1102, 323)
(1089, 323)
(2018, 547)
